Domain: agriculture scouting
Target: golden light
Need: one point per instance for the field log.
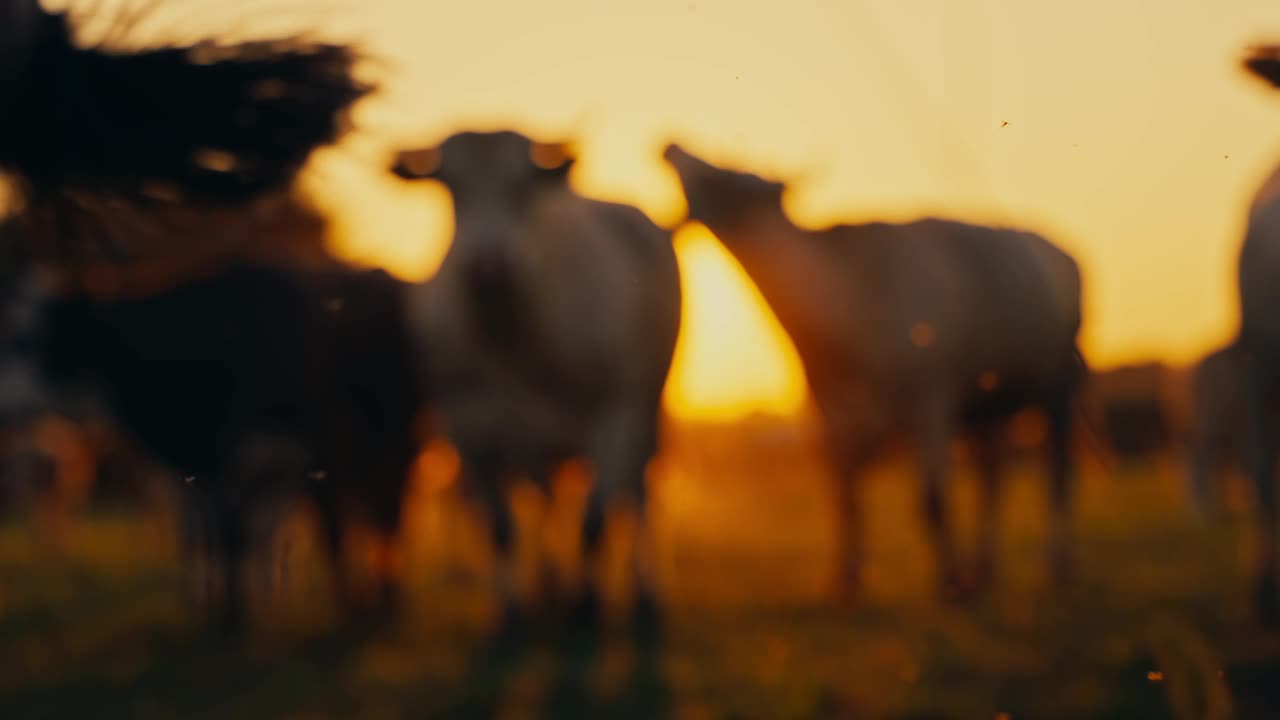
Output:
(732, 358)
(1140, 157)
(380, 220)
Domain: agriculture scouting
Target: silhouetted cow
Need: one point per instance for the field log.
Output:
(1131, 403)
(1259, 341)
(252, 382)
(920, 330)
(1217, 430)
(551, 325)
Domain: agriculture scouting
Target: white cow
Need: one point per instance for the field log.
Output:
(551, 327)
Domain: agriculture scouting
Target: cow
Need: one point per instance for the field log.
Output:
(1259, 343)
(1134, 411)
(552, 324)
(1216, 423)
(213, 124)
(45, 468)
(255, 383)
(911, 331)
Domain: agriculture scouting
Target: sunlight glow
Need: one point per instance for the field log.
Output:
(1139, 156)
(733, 358)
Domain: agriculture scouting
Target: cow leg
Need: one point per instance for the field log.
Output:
(593, 519)
(988, 453)
(644, 555)
(363, 594)
(935, 452)
(234, 539)
(199, 551)
(857, 425)
(390, 572)
(389, 480)
(848, 465)
(1061, 480)
(208, 542)
(547, 578)
(620, 454)
(333, 530)
(1262, 470)
(1199, 478)
(483, 483)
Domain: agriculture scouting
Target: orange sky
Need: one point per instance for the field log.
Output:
(1132, 139)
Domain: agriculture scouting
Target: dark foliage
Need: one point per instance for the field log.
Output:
(209, 123)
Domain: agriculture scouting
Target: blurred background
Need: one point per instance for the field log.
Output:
(1122, 130)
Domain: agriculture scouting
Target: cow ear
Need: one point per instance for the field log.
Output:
(552, 159)
(1264, 61)
(417, 164)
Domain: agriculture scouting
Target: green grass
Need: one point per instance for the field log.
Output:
(1157, 625)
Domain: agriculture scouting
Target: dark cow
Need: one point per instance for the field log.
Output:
(252, 382)
(1259, 344)
(918, 330)
(1131, 403)
(1217, 424)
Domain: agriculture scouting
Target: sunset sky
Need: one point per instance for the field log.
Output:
(1132, 139)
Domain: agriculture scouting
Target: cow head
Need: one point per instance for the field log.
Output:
(721, 198)
(1264, 61)
(494, 168)
(495, 179)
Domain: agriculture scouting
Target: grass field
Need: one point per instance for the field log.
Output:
(1157, 625)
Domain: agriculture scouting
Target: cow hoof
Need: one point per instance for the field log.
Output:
(374, 617)
(588, 609)
(647, 617)
(513, 627)
(1269, 603)
(227, 624)
(550, 587)
(392, 601)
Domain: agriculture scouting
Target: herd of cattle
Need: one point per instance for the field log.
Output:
(255, 376)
